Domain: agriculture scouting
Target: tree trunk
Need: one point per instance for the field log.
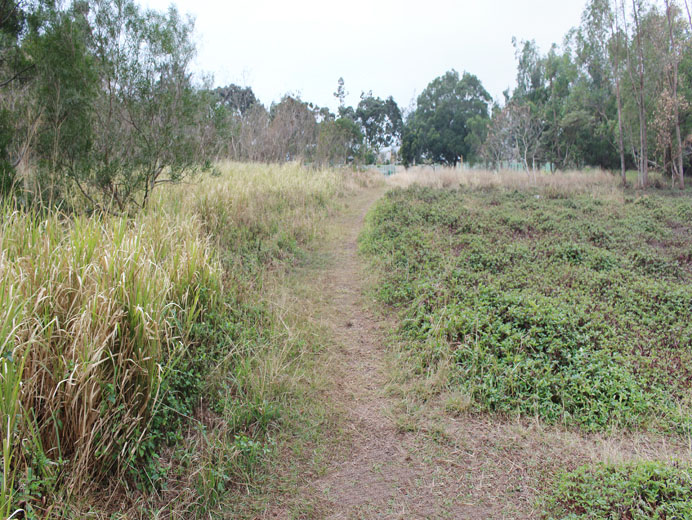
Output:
(677, 158)
(678, 138)
(644, 148)
(623, 167)
(615, 29)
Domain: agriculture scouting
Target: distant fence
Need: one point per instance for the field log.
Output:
(384, 169)
(390, 169)
(508, 165)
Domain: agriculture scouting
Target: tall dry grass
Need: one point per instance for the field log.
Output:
(249, 201)
(444, 177)
(95, 311)
(91, 309)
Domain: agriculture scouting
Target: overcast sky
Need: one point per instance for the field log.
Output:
(392, 47)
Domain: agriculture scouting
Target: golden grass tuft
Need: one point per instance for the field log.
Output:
(563, 182)
(92, 307)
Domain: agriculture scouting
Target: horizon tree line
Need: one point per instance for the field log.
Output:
(98, 103)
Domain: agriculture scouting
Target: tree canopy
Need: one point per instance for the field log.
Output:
(447, 125)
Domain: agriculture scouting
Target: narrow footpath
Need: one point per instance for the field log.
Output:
(382, 475)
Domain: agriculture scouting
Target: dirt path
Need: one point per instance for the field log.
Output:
(382, 475)
(399, 457)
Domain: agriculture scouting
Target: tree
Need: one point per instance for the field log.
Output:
(530, 73)
(293, 129)
(65, 90)
(13, 66)
(526, 128)
(615, 61)
(637, 74)
(673, 75)
(600, 48)
(237, 99)
(499, 144)
(145, 112)
(339, 141)
(380, 119)
(13, 23)
(439, 129)
(340, 93)
(253, 138)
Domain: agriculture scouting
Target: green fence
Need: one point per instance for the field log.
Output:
(509, 165)
(385, 169)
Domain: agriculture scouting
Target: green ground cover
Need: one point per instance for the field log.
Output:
(570, 307)
(573, 308)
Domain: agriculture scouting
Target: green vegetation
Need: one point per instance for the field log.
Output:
(636, 490)
(450, 121)
(128, 332)
(571, 307)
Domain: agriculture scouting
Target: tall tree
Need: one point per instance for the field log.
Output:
(439, 130)
(340, 93)
(238, 99)
(675, 55)
(13, 66)
(602, 43)
(637, 74)
(339, 142)
(380, 119)
(293, 129)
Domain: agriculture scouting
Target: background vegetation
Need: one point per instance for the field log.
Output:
(98, 105)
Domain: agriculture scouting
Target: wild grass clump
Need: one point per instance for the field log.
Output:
(94, 311)
(114, 330)
(574, 309)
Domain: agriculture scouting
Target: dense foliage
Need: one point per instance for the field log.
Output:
(449, 122)
(614, 94)
(99, 107)
(571, 308)
(636, 490)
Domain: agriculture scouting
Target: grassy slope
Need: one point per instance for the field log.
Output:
(567, 306)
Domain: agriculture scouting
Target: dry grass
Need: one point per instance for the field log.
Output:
(93, 308)
(567, 182)
(94, 311)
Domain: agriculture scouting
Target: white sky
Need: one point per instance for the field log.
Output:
(392, 47)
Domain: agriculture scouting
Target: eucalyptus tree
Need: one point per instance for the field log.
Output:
(601, 47)
(13, 66)
(380, 120)
(292, 131)
(675, 49)
(636, 67)
(339, 141)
